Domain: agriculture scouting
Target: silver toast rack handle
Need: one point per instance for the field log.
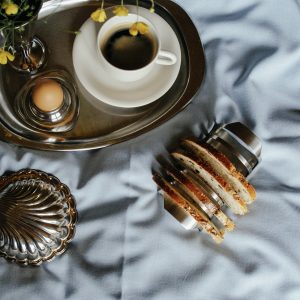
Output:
(239, 144)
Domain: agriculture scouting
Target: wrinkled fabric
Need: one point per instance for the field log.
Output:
(126, 245)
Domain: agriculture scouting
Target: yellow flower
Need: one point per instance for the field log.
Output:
(4, 55)
(99, 15)
(138, 27)
(120, 11)
(133, 30)
(10, 8)
(142, 27)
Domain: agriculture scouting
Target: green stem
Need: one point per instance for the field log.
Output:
(152, 4)
(13, 38)
(21, 4)
(102, 4)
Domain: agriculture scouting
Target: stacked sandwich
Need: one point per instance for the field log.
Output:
(201, 168)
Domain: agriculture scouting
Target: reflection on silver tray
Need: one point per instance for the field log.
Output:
(98, 127)
(37, 217)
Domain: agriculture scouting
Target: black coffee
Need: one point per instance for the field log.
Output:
(129, 52)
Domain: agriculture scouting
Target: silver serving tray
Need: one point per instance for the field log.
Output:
(103, 126)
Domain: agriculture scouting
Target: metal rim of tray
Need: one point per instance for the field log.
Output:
(196, 68)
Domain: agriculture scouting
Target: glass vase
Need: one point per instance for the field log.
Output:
(29, 50)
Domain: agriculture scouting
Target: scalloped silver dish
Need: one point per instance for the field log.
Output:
(37, 217)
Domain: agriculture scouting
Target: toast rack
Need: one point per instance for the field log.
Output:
(37, 217)
(241, 146)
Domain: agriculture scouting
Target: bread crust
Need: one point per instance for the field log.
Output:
(200, 217)
(196, 164)
(218, 157)
(199, 196)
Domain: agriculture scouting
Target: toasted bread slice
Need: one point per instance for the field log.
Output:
(222, 166)
(193, 190)
(203, 221)
(217, 182)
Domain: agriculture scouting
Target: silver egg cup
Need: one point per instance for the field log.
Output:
(59, 120)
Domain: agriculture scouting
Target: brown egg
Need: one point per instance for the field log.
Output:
(47, 95)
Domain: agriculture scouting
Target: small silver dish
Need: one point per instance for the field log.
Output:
(59, 120)
(37, 217)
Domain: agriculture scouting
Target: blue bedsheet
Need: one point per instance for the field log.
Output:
(126, 246)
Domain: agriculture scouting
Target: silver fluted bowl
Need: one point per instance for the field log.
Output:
(37, 217)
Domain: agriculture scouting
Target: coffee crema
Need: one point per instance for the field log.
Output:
(129, 52)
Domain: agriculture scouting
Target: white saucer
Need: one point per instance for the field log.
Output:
(111, 91)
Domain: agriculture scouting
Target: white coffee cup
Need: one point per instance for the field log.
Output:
(116, 24)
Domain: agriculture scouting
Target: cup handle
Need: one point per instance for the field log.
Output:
(166, 58)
